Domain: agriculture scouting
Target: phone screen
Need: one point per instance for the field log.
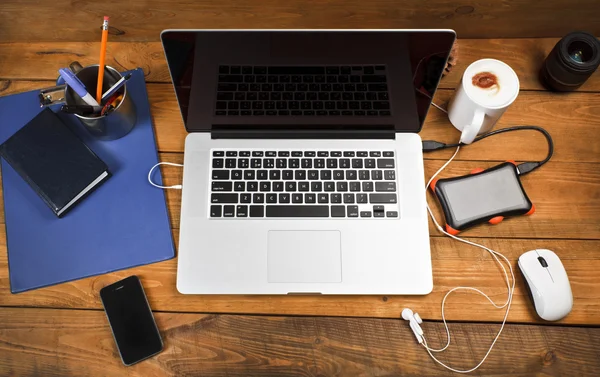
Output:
(131, 320)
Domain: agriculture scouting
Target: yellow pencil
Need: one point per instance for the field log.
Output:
(102, 59)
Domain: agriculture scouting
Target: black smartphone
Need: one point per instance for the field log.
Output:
(131, 320)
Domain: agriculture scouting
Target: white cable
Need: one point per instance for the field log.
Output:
(177, 187)
(494, 254)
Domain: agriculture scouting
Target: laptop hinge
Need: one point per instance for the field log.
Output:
(302, 132)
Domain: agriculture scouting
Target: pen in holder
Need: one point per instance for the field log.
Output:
(111, 123)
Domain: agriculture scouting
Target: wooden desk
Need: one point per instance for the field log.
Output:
(61, 330)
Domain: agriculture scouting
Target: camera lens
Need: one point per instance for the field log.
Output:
(580, 51)
(571, 62)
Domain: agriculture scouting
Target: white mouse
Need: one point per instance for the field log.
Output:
(548, 283)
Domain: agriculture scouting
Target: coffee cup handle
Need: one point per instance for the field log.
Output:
(469, 133)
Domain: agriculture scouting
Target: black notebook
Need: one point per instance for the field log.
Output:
(57, 165)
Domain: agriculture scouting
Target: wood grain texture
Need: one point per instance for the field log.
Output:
(454, 264)
(79, 343)
(28, 61)
(144, 20)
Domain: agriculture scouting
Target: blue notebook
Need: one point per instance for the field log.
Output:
(124, 223)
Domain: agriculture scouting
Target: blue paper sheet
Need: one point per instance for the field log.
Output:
(124, 223)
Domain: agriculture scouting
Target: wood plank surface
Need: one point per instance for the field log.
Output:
(79, 343)
(40, 61)
(454, 264)
(138, 20)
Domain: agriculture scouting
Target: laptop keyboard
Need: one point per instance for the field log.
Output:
(302, 91)
(300, 184)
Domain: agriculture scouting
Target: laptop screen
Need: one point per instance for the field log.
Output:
(320, 78)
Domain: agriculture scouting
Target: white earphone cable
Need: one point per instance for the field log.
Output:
(494, 254)
(176, 187)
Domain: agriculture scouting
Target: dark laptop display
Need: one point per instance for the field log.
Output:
(300, 79)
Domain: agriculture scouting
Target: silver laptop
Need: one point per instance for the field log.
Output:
(303, 169)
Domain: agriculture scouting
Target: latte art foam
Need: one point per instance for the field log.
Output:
(491, 83)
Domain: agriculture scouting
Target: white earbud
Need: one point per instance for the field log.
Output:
(414, 321)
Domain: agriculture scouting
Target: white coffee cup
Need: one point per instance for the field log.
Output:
(488, 87)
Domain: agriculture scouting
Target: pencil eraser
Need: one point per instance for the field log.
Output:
(106, 18)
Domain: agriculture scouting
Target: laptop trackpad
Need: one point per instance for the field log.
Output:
(304, 256)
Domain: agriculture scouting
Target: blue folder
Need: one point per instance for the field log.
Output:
(122, 224)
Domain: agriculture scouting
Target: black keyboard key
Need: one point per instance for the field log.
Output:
(243, 163)
(242, 211)
(215, 211)
(256, 163)
(389, 175)
(362, 198)
(257, 105)
(246, 105)
(331, 79)
(342, 186)
(224, 198)
(218, 153)
(227, 87)
(303, 186)
(220, 174)
(217, 163)
(365, 105)
(357, 163)
(375, 154)
(316, 186)
(287, 175)
(376, 175)
(379, 214)
(253, 96)
(298, 211)
(257, 211)
(237, 174)
(323, 198)
(362, 154)
(313, 175)
(354, 78)
(338, 211)
(222, 186)
(338, 175)
(258, 198)
(381, 105)
(344, 163)
(385, 186)
(231, 78)
(260, 70)
(223, 69)
(272, 79)
(284, 198)
(372, 96)
(378, 208)
(296, 154)
(300, 175)
(233, 112)
(370, 163)
(275, 175)
(325, 174)
(352, 211)
(382, 198)
(321, 112)
(297, 198)
(228, 211)
(290, 186)
(224, 96)
(271, 198)
(385, 163)
(364, 175)
(262, 174)
(367, 186)
(269, 105)
(252, 186)
(374, 78)
(348, 198)
(294, 163)
(265, 186)
(336, 198)
(319, 163)
(342, 105)
(268, 163)
(391, 213)
(368, 70)
(270, 154)
(354, 186)
(310, 198)
(361, 87)
(354, 105)
(245, 198)
(281, 163)
(388, 154)
(351, 175)
(261, 79)
(306, 163)
(332, 163)
(365, 213)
